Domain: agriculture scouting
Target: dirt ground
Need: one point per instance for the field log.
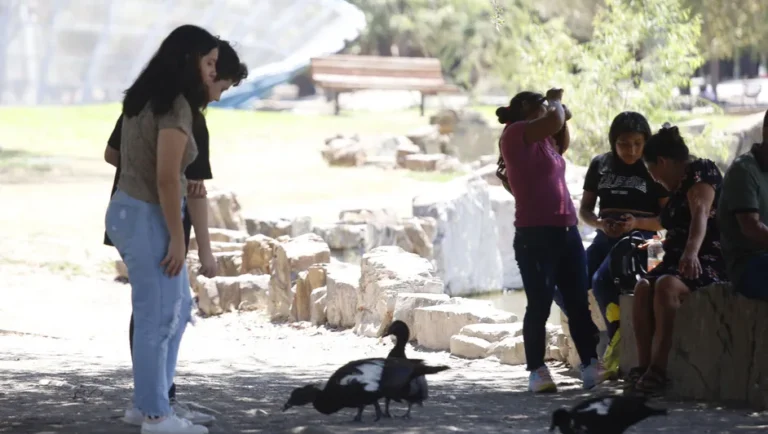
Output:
(66, 369)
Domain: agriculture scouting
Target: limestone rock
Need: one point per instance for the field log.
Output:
(224, 211)
(291, 257)
(223, 246)
(510, 350)
(423, 162)
(469, 347)
(258, 251)
(318, 306)
(384, 215)
(428, 139)
(227, 235)
(342, 235)
(488, 174)
(229, 263)
(407, 302)
(122, 270)
(503, 205)
(307, 282)
(421, 243)
(230, 293)
(436, 324)
(342, 285)
(387, 271)
(466, 245)
(344, 152)
(275, 227)
(473, 136)
(403, 151)
(569, 350)
(492, 332)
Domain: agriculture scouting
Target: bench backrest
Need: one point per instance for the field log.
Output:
(348, 72)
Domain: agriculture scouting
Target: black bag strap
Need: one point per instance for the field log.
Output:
(501, 170)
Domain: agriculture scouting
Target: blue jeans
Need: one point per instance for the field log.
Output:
(553, 258)
(599, 271)
(161, 304)
(754, 281)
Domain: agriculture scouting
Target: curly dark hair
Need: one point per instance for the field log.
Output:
(174, 70)
(228, 66)
(628, 122)
(666, 143)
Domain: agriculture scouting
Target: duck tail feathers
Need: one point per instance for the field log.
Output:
(426, 369)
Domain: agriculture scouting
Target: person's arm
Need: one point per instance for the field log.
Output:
(647, 223)
(112, 151)
(547, 125)
(589, 197)
(700, 199)
(171, 144)
(563, 139)
(741, 190)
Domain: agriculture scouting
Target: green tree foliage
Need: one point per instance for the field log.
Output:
(638, 53)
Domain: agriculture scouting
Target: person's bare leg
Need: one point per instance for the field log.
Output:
(669, 292)
(643, 322)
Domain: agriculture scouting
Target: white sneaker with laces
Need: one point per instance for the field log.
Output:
(183, 411)
(133, 416)
(172, 425)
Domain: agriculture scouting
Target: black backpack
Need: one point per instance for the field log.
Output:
(628, 262)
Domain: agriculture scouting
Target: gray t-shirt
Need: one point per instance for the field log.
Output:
(138, 152)
(745, 189)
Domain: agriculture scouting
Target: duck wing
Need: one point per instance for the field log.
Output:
(399, 373)
(418, 389)
(365, 373)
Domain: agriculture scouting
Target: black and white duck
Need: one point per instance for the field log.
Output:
(416, 392)
(361, 383)
(604, 415)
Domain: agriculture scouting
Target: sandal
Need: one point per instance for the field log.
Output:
(652, 384)
(633, 376)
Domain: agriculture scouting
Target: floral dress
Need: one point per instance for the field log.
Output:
(676, 219)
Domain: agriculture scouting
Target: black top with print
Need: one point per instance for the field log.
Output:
(622, 186)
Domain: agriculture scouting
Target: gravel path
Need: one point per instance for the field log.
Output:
(64, 368)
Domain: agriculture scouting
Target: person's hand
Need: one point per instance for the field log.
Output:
(208, 265)
(627, 223)
(196, 189)
(689, 265)
(608, 226)
(554, 94)
(568, 114)
(175, 258)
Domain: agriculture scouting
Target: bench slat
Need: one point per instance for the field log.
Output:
(346, 82)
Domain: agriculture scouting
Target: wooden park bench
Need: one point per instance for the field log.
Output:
(348, 73)
(752, 91)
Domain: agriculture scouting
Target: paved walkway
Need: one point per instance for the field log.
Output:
(64, 369)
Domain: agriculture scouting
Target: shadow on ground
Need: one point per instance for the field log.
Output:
(80, 399)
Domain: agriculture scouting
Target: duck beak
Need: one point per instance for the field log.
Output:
(287, 406)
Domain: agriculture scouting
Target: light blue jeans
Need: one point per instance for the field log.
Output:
(161, 304)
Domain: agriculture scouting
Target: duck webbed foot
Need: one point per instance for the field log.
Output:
(407, 414)
(386, 408)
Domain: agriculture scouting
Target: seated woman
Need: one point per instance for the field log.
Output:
(692, 258)
(622, 183)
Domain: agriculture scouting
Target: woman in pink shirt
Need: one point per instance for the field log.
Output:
(548, 247)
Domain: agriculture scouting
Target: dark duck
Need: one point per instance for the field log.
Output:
(611, 414)
(361, 383)
(416, 392)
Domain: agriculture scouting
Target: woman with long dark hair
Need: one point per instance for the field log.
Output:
(621, 182)
(548, 246)
(692, 254)
(144, 217)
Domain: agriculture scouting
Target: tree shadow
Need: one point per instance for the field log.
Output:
(84, 397)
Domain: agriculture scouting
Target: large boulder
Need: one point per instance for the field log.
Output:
(503, 205)
(406, 304)
(224, 211)
(318, 306)
(342, 286)
(387, 271)
(719, 347)
(567, 347)
(466, 244)
(258, 251)
(231, 293)
(308, 281)
(343, 151)
(228, 263)
(275, 227)
(435, 325)
(292, 257)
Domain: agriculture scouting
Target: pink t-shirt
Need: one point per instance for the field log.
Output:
(536, 175)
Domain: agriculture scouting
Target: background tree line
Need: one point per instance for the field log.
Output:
(609, 55)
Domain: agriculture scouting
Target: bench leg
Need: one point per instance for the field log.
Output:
(336, 108)
(421, 106)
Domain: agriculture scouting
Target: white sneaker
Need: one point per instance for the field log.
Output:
(133, 416)
(183, 411)
(172, 425)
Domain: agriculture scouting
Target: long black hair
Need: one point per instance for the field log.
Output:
(628, 122)
(174, 70)
(228, 66)
(667, 143)
(518, 107)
